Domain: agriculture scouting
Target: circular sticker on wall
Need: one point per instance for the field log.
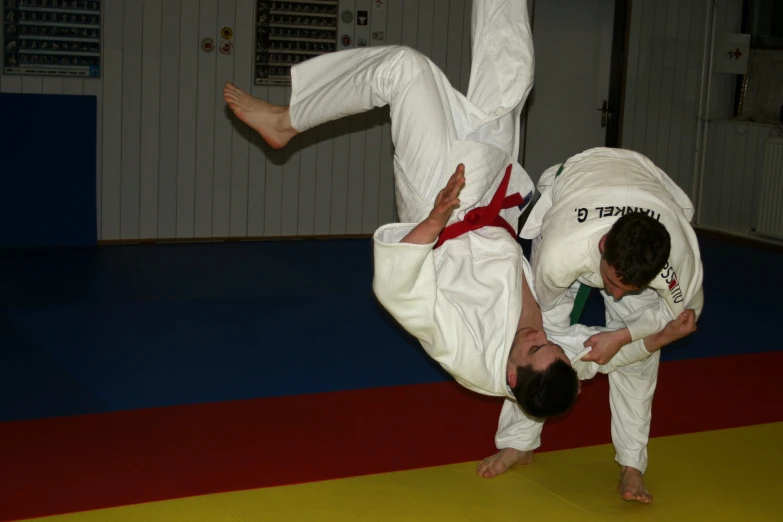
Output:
(207, 45)
(346, 40)
(226, 33)
(347, 16)
(225, 47)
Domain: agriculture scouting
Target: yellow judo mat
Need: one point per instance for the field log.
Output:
(726, 475)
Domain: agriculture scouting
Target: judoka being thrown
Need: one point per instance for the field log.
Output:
(452, 272)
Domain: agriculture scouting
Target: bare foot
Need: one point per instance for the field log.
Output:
(498, 463)
(272, 122)
(632, 487)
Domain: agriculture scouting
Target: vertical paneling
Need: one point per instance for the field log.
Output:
(689, 120)
(410, 30)
(669, 44)
(754, 163)
(357, 147)
(393, 22)
(190, 11)
(289, 215)
(374, 157)
(94, 87)
(342, 148)
(727, 154)
(10, 84)
(426, 18)
(734, 164)
(169, 119)
(728, 20)
(150, 118)
(653, 106)
(632, 72)
(52, 85)
(440, 30)
(275, 159)
(132, 31)
(73, 86)
(256, 193)
(220, 191)
(732, 195)
(636, 127)
(324, 185)
(32, 84)
(111, 178)
(174, 163)
(308, 161)
(240, 134)
(465, 52)
(455, 38)
(663, 81)
(671, 135)
(206, 136)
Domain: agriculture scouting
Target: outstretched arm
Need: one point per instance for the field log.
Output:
(641, 316)
(576, 337)
(447, 201)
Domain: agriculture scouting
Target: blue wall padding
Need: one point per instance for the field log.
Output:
(47, 170)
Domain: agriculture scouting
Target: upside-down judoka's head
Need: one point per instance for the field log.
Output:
(540, 375)
(633, 253)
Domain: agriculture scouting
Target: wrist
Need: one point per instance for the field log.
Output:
(656, 341)
(624, 336)
(433, 225)
(425, 233)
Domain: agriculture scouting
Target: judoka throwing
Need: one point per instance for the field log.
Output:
(611, 219)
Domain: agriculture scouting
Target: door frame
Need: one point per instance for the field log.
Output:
(617, 75)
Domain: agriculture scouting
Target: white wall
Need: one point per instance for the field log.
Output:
(734, 166)
(662, 90)
(171, 162)
(664, 66)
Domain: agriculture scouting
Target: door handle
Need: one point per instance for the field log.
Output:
(606, 113)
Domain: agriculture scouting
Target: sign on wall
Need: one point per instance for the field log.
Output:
(52, 37)
(291, 32)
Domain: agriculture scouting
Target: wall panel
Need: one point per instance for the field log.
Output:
(205, 190)
(662, 92)
(151, 95)
(735, 163)
(168, 151)
(174, 163)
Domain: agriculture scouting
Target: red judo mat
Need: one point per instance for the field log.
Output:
(67, 464)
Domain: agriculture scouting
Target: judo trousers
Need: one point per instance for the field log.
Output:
(631, 390)
(427, 114)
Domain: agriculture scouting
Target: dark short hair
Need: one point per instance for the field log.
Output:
(637, 247)
(548, 392)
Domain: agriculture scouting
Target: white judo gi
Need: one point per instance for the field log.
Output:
(576, 209)
(462, 300)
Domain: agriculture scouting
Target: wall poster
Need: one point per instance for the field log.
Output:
(52, 37)
(290, 32)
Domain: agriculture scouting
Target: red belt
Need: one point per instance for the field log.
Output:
(488, 216)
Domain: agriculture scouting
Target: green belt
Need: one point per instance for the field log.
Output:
(584, 291)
